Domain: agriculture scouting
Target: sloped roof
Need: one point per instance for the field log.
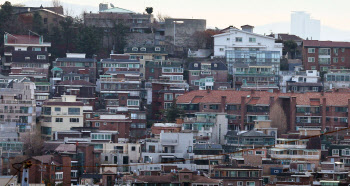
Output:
(66, 148)
(287, 37)
(23, 39)
(118, 10)
(316, 43)
(254, 133)
(56, 69)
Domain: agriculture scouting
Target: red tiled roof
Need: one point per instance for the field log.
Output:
(22, 39)
(316, 43)
(234, 97)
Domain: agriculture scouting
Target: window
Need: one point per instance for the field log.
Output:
(239, 39)
(133, 148)
(105, 123)
(133, 102)
(341, 109)
(250, 183)
(59, 175)
(346, 152)
(45, 20)
(311, 59)
(214, 107)
(167, 105)
(73, 111)
(74, 120)
(135, 49)
(335, 152)
(240, 183)
(221, 49)
(97, 124)
(335, 60)
(195, 65)
(57, 109)
(343, 50)
(228, 39)
(101, 136)
(168, 97)
(313, 67)
(106, 158)
(335, 50)
(36, 49)
(41, 57)
(343, 59)
(157, 49)
(143, 49)
(315, 89)
(27, 58)
(195, 73)
(59, 120)
(73, 174)
(311, 50)
(252, 40)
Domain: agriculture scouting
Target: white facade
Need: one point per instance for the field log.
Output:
(236, 39)
(304, 26)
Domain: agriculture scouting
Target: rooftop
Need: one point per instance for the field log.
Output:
(317, 43)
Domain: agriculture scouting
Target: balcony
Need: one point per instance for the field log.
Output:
(287, 146)
(199, 120)
(289, 156)
(169, 142)
(16, 101)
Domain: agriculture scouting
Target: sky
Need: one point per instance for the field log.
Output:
(266, 15)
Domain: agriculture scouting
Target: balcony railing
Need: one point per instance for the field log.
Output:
(289, 156)
(199, 120)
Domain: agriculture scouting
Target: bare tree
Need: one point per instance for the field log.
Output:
(33, 143)
(161, 17)
(56, 3)
(278, 118)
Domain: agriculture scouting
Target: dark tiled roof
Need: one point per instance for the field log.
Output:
(287, 37)
(316, 43)
(75, 59)
(254, 133)
(220, 66)
(76, 82)
(119, 60)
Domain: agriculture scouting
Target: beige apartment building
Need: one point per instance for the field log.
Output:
(60, 115)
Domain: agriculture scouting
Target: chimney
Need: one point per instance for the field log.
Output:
(223, 103)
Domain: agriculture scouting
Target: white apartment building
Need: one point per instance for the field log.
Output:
(236, 39)
(61, 115)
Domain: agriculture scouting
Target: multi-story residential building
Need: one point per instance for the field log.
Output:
(85, 91)
(162, 92)
(120, 91)
(17, 104)
(26, 55)
(170, 147)
(61, 115)
(325, 55)
(51, 169)
(207, 156)
(207, 127)
(327, 111)
(146, 53)
(111, 65)
(208, 75)
(120, 154)
(76, 63)
(171, 69)
(337, 79)
(247, 139)
(234, 175)
(252, 59)
(305, 81)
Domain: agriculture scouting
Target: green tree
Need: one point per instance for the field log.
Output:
(170, 114)
(89, 40)
(118, 33)
(67, 26)
(290, 47)
(37, 23)
(284, 64)
(6, 21)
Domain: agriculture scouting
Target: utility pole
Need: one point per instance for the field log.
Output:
(25, 175)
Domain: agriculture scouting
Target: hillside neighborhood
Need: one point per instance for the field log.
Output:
(118, 97)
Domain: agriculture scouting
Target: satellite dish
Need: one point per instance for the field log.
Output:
(111, 5)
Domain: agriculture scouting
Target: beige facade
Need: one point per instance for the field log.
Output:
(17, 104)
(60, 115)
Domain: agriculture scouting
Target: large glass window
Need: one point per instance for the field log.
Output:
(73, 111)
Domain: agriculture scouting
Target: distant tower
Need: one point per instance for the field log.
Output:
(149, 10)
(304, 26)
